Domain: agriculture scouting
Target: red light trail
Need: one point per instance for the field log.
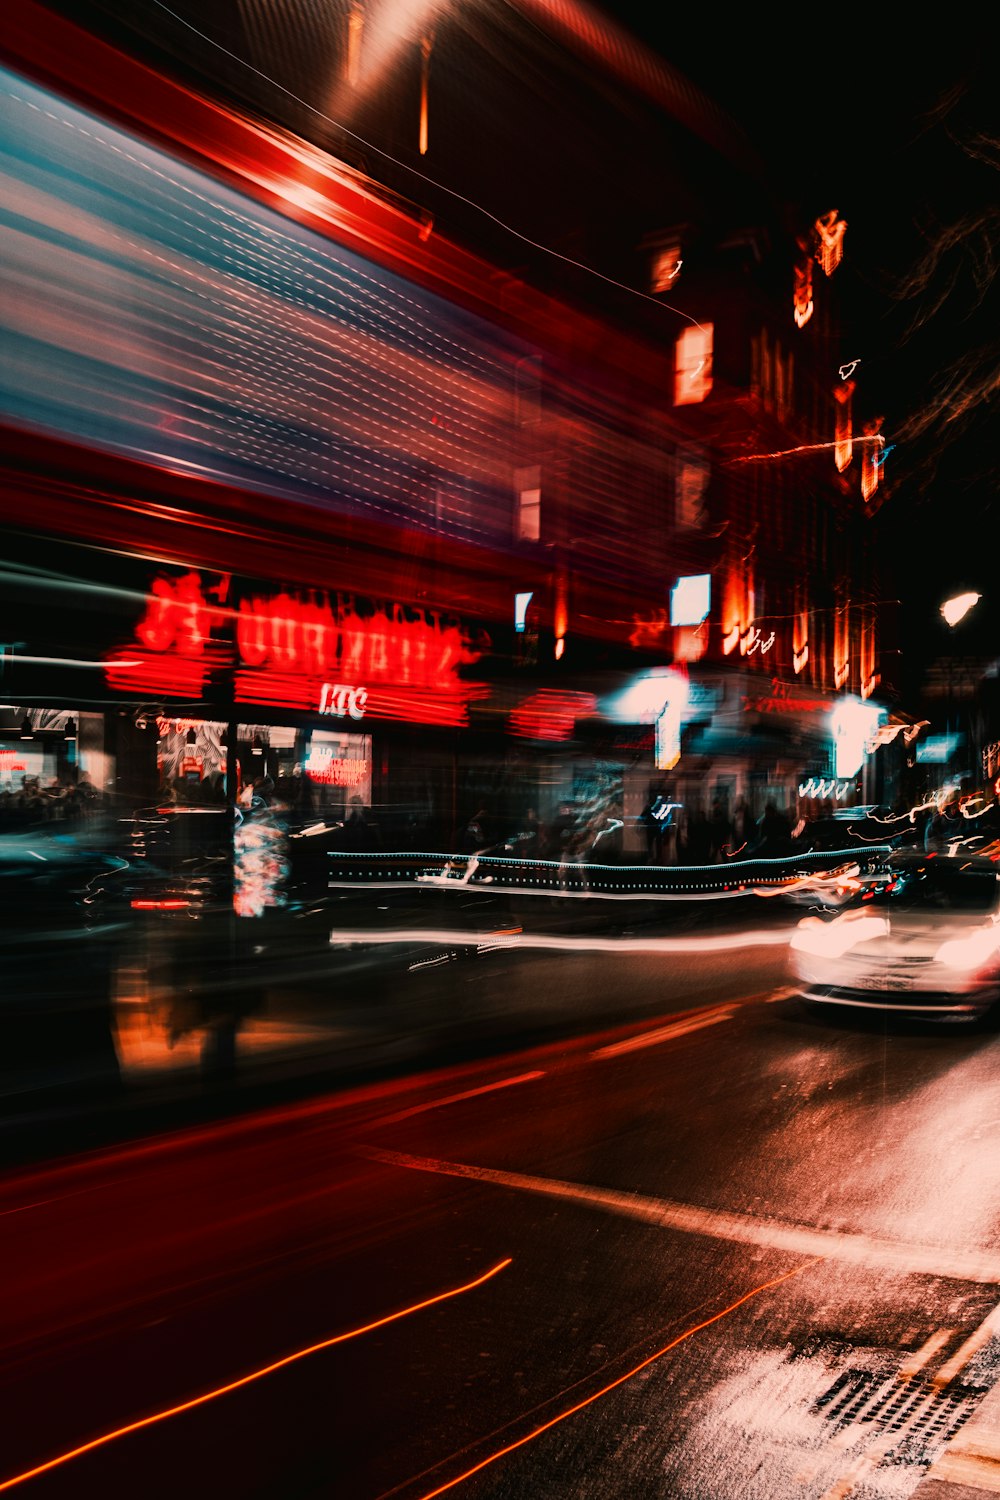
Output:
(235, 1385)
(636, 1369)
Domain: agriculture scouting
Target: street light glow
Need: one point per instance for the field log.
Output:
(956, 609)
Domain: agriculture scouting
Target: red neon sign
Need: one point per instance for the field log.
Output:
(324, 654)
(551, 714)
(334, 770)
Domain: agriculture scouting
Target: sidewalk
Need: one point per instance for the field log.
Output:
(969, 1469)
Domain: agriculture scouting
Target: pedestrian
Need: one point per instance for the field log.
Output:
(699, 838)
(359, 834)
(474, 835)
(655, 818)
(774, 833)
(721, 832)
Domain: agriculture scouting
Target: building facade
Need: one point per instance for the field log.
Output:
(294, 485)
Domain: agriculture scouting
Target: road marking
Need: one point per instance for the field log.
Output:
(666, 1033)
(858, 1249)
(487, 1088)
(786, 992)
(863, 1465)
(972, 1472)
(980, 1336)
(924, 1354)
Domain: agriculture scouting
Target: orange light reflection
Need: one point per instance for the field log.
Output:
(644, 1364)
(234, 1385)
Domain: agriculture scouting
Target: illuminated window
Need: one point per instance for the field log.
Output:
(871, 458)
(426, 47)
(843, 449)
(691, 599)
(355, 31)
(528, 485)
(665, 268)
(829, 241)
(802, 297)
(693, 364)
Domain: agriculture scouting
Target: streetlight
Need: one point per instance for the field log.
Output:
(957, 608)
(954, 610)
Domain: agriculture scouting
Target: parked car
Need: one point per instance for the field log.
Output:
(920, 936)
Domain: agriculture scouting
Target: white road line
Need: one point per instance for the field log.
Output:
(987, 1329)
(667, 1033)
(786, 992)
(923, 1356)
(971, 1472)
(858, 1249)
(487, 1088)
(865, 1464)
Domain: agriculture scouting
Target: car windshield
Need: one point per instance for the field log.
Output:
(934, 886)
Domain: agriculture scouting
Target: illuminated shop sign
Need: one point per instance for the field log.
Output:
(826, 789)
(938, 749)
(337, 699)
(691, 599)
(337, 770)
(852, 724)
(781, 700)
(317, 652)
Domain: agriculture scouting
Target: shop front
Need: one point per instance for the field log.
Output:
(137, 684)
(705, 746)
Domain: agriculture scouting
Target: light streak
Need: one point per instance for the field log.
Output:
(846, 371)
(235, 1385)
(621, 1380)
(17, 659)
(751, 458)
(431, 181)
(681, 1027)
(486, 1088)
(457, 938)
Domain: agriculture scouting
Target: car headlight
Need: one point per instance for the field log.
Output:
(967, 953)
(832, 939)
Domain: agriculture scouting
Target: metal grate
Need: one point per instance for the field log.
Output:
(920, 1415)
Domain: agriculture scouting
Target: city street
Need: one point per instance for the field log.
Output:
(473, 706)
(720, 1248)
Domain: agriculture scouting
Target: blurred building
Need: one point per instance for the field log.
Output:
(313, 469)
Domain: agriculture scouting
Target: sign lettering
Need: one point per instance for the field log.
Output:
(306, 652)
(338, 699)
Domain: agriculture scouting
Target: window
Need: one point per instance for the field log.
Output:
(691, 474)
(843, 435)
(693, 364)
(529, 391)
(665, 267)
(528, 488)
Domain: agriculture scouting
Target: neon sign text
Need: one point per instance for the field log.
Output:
(817, 787)
(338, 699)
(305, 652)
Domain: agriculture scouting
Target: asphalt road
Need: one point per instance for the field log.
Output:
(717, 1249)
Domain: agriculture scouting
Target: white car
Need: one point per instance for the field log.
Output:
(920, 936)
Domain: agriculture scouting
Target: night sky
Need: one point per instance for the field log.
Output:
(897, 126)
